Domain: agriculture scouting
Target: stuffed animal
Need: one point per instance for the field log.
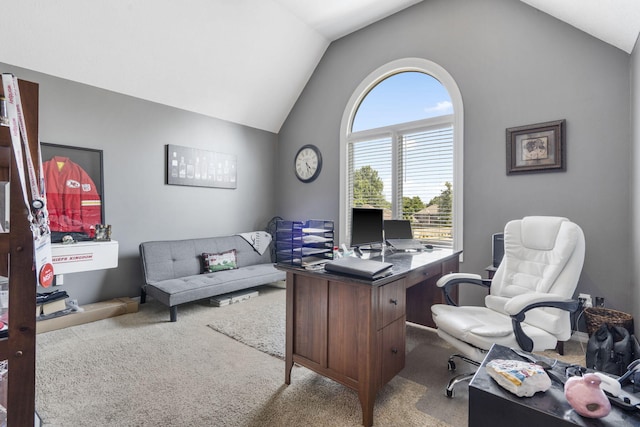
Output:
(586, 397)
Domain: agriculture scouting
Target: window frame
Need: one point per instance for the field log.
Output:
(380, 74)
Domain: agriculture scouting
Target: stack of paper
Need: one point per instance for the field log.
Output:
(48, 303)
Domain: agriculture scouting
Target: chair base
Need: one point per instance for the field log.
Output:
(451, 365)
(455, 380)
(458, 378)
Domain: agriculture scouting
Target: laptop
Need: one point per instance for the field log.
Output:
(366, 268)
(398, 234)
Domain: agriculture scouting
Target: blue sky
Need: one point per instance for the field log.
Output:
(403, 97)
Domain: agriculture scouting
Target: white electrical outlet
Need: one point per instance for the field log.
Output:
(587, 300)
(59, 279)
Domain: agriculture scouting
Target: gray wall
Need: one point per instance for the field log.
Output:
(132, 134)
(635, 182)
(514, 66)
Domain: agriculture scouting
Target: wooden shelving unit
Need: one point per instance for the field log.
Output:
(16, 263)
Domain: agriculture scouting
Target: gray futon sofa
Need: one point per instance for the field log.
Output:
(173, 270)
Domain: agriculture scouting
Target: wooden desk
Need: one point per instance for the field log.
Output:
(353, 330)
(491, 271)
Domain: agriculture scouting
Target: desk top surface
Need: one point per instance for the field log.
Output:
(552, 402)
(403, 263)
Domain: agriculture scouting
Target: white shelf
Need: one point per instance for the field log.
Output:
(84, 256)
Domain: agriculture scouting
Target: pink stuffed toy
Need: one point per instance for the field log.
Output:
(585, 396)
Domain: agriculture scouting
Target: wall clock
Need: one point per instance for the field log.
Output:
(308, 163)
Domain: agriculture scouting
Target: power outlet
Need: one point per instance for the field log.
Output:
(585, 300)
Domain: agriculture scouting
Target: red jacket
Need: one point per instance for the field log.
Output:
(73, 201)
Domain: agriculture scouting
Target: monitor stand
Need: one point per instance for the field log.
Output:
(360, 250)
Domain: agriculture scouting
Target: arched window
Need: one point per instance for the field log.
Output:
(401, 150)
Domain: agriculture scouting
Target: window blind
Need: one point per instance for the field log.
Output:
(425, 166)
(408, 174)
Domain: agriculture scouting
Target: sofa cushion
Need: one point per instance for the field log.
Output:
(173, 259)
(219, 261)
(191, 288)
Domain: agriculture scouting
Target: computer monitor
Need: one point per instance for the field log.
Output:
(366, 228)
(397, 229)
(497, 248)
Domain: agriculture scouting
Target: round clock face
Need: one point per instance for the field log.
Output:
(308, 163)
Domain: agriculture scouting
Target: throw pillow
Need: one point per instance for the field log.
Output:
(218, 262)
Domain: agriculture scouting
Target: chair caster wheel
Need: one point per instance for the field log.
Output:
(449, 393)
(451, 365)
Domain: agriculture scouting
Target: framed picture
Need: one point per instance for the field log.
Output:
(75, 194)
(536, 148)
(200, 168)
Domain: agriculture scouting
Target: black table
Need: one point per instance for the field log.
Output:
(491, 405)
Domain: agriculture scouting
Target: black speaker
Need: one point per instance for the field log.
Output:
(497, 248)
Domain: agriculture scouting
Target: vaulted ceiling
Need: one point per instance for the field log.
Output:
(245, 61)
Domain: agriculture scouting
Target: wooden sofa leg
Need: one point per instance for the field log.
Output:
(173, 313)
(143, 296)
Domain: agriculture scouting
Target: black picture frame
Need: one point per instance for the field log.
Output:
(536, 148)
(89, 159)
(200, 168)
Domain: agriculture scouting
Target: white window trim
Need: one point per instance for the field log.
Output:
(387, 70)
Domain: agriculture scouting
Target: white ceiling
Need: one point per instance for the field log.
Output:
(245, 61)
(616, 22)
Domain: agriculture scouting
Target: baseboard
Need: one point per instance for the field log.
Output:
(90, 313)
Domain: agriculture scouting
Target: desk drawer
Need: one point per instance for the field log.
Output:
(392, 350)
(422, 274)
(391, 305)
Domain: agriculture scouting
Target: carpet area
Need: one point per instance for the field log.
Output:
(426, 360)
(258, 322)
(139, 369)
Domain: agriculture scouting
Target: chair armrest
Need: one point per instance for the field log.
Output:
(451, 276)
(520, 304)
(448, 281)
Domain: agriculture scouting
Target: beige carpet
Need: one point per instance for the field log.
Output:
(426, 362)
(257, 323)
(141, 370)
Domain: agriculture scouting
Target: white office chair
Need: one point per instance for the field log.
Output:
(530, 301)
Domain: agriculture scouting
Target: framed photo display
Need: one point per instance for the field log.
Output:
(536, 148)
(75, 194)
(200, 168)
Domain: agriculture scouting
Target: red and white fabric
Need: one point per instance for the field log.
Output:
(72, 198)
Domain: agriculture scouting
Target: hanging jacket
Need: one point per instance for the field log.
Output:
(73, 201)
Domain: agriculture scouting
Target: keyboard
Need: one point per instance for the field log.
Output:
(406, 244)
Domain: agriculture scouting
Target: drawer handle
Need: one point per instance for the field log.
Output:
(394, 350)
(393, 301)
